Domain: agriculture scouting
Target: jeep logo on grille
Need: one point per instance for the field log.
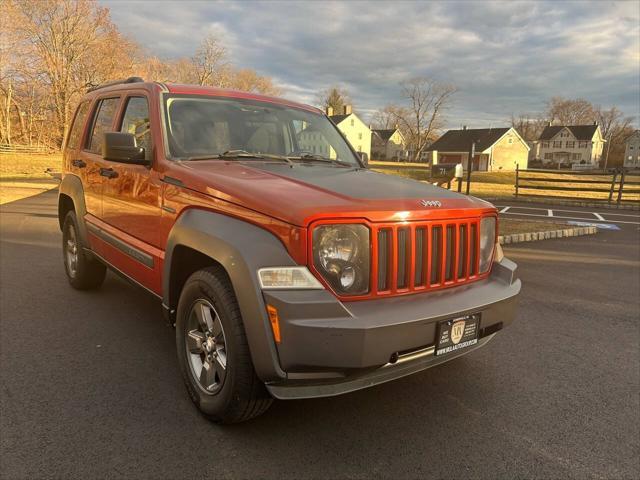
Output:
(431, 203)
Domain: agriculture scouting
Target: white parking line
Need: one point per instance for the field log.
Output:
(598, 216)
(569, 211)
(581, 219)
(549, 213)
(504, 210)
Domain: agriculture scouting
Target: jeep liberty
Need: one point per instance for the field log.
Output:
(289, 269)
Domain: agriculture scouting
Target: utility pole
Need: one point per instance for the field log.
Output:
(472, 153)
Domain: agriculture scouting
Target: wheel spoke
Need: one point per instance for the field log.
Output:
(219, 364)
(203, 312)
(195, 338)
(207, 375)
(216, 329)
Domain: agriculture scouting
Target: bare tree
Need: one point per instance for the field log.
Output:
(566, 111)
(421, 120)
(209, 61)
(615, 129)
(334, 97)
(386, 118)
(528, 127)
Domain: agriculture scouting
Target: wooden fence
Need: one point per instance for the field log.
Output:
(612, 182)
(25, 149)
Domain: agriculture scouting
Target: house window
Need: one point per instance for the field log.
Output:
(545, 144)
(352, 122)
(360, 136)
(630, 147)
(582, 145)
(576, 156)
(548, 156)
(571, 144)
(557, 144)
(511, 140)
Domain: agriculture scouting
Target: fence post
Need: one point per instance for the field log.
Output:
(517, 174)
(621, 187)
(613, 185)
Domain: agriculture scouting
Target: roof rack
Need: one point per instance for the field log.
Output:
(116, 82)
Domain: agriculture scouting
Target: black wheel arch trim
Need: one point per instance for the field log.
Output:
(71, 186)
(241, 248)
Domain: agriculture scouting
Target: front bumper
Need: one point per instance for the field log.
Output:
(329, 347)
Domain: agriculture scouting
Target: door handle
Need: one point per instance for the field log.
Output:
(79, 163)
(108, 172)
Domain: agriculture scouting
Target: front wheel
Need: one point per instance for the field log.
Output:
(213, 353)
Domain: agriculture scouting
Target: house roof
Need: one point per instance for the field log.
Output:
(384, 134)
(460, 140)
(338, 118)
(581, 132)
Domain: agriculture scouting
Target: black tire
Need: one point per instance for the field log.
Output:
(237, 395)
(85, 273)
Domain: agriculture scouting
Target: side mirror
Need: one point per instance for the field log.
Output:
(122, 147)
(364, 158)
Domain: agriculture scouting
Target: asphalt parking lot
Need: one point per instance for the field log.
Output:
(91, 389)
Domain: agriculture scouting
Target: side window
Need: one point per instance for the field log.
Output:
(136, 122)
(77, 128)
(101, 124)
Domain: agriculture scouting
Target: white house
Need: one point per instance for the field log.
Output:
(357, 132)
(388, 144)
(570, 144)
(496, 149)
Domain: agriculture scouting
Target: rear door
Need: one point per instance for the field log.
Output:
(90, 156)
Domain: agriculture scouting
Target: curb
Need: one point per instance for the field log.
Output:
(569, 203)
(535, 236)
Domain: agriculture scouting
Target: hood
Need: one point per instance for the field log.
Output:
(302, 193)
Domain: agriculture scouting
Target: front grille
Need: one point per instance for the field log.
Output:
(423, 256)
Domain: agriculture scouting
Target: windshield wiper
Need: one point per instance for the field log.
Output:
(319, 158)
(238, 155)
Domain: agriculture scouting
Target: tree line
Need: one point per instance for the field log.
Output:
(51, 51)
(421, 116)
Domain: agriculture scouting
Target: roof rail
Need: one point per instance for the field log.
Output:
(116, 82)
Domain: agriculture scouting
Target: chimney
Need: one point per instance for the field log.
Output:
(548, 124)
(346, 109)
(595, 123)
(329, 111)
(464, 127)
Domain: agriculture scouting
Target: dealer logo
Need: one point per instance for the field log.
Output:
(431, 203)
(457, 331)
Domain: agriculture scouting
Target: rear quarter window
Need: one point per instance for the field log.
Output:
(75, 133)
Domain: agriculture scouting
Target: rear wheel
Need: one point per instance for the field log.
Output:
(83, 272)
(213, 353)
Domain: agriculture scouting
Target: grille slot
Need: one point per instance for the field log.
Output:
(404, 249)
(421, 256)
(473, 261)
(436, 255)
(463, 242)
(384, 254)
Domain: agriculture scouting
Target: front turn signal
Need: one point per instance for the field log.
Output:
(275, 322)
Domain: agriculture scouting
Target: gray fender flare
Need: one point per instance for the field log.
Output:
(71, 186)
(241, 248)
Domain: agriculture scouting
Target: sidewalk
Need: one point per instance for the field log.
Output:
(16, 188)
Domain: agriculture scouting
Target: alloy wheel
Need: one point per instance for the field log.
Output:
(206, 347)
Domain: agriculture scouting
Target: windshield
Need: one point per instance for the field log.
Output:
(198, 127)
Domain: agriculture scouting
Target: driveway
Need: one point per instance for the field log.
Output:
(90, 387)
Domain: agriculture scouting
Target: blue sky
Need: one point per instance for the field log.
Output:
(504, 57)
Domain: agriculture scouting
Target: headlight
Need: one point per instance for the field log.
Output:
(341, 255)
(487, 242)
